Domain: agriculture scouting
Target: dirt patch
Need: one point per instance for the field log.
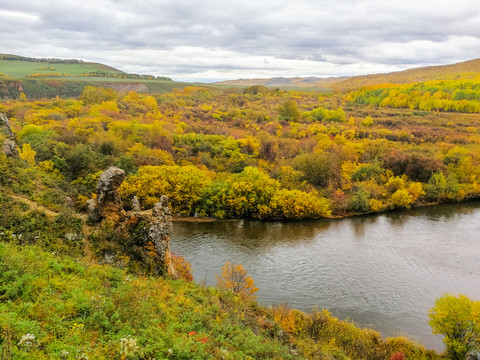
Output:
(125, 87)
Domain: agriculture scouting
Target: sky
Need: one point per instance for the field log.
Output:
(212, 40)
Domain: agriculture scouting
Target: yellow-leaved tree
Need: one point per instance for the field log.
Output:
(235, 278)
(28, 154)
(182, 185)
(458, 320)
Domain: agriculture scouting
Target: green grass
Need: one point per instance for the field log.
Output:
(20, 69)
(68, 306)
(72, 307)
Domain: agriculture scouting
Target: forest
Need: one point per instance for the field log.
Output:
(260, 153)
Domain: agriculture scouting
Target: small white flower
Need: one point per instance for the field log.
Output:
(26, 340)
(128, 345)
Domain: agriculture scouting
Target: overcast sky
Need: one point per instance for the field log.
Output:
(211, 40)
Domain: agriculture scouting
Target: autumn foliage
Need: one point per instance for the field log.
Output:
(261, 154)
(234, 278)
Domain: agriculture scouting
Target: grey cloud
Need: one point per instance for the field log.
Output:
(346, 32)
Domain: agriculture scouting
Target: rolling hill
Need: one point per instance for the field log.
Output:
(301, 82)
(466, 69)
(50, 77)
(18, 66)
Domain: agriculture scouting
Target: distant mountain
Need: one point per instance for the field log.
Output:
(286, 82)
(465, 69)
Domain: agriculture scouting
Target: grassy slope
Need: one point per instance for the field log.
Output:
(20, 69)
(70, 306)
(316, 84)
(464, 69)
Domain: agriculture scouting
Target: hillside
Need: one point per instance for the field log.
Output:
(48, 78)
(282, 82)
(18, 67)
(462, 70)
(467, 69)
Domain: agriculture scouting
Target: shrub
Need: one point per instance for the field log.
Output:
(182, 267)
(235, 278)
(458, 319)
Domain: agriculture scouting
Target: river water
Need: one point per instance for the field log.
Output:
(383, 271)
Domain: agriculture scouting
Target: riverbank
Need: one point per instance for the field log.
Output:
(382, 271)
(112, 314)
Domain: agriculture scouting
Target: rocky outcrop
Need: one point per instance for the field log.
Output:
(9, 146)
(143, 238)
(473, 355)
(108, 201)
(148, 238)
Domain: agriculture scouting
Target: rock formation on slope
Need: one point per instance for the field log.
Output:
(143, 238)
(9, 147)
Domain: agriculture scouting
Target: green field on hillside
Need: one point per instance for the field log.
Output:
(18, 69)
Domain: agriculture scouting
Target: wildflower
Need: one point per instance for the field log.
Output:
(82, 356)
(192, 333)
(128, 345)
(223, 353)
(64, 354)
(204, 340)
(26, 340)
(77, 326)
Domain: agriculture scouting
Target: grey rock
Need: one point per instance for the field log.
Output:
(69, 201)
(9, 145)
(92, 211)
(73, 236)
(159, 232)
(108, 201)
(144, 238)
(473, 355)
(136, 204)
(5, 127)
(110, 179)
(10, 148)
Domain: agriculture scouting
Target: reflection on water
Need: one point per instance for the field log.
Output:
(383, 271)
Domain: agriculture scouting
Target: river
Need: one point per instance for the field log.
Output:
(381, 271)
